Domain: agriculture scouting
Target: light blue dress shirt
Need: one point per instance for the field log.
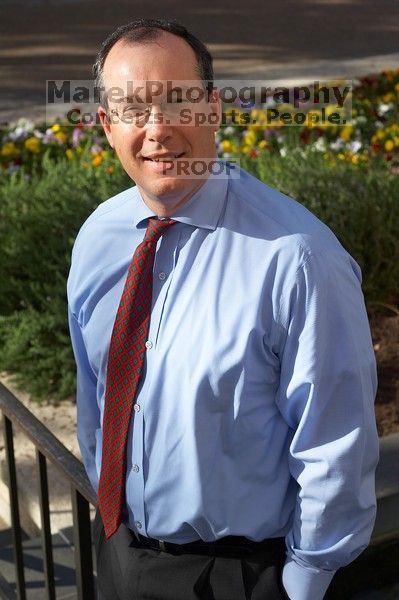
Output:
(255, 413)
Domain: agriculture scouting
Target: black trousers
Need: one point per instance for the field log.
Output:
(128, 571)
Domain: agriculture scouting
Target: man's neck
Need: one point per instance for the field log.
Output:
(166, 207)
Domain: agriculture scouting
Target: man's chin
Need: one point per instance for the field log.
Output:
(169, 190)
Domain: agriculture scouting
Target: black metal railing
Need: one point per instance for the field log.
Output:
(48, 447)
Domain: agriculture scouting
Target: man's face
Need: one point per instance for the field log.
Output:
(168, 58)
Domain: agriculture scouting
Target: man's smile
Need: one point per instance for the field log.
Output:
(165, 157)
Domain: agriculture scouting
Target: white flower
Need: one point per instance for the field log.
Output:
(270, 103)
(23, 124)
(228, 130)
(355, 146)
(283, 151)
(384, 108)
(360, 120)
(338, 144)
(320, 145)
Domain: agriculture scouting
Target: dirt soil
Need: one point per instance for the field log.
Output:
(384, 322)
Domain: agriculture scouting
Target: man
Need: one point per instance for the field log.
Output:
(226, 376)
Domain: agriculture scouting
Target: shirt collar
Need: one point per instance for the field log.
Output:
(203, 209)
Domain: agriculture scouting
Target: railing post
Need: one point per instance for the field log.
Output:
(82, 543)
(15, 521)
(48, 562)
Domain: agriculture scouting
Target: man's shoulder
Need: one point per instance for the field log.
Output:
(278, 218)
(117, 206)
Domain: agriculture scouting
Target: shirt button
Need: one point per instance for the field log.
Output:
(136, 468)
(148, 345)
(136, 407)
(162, 276)
(138, 524)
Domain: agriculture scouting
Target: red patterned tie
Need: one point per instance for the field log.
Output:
(125, 362)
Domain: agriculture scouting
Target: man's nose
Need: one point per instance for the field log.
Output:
(158, 125)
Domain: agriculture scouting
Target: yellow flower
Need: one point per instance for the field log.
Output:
(8, 149)
(56, 128)
(32, 144)
(249, 138)
(355, 159)
(312, 118)
(346, 132)
(262, 117)
(396, 140)
(263, 144)
(227, 146)
(69, 154)
(330, 159)
(389, 145)
(97, 160)
(229, 112)
(390, 97)
(245, 149)
(79, 150)
(104, 153)
(61, 137)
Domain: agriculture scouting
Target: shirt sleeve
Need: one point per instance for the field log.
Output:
(88, 413)
(326, 395)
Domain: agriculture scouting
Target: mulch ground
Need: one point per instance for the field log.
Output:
(384, 322)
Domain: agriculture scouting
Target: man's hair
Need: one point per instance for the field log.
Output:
(148, 30)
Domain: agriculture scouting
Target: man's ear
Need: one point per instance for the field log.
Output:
(106, 123)
(215, 103)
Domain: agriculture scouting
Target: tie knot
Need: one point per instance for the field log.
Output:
(156, 228)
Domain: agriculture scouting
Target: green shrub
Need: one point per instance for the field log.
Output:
(361, 206)
(39, 219)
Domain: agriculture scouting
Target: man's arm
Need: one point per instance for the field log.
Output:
(88, 413)
(327, 391)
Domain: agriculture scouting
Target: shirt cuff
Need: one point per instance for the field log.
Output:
(305, 583)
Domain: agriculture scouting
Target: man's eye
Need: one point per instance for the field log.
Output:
(135, 110)
(176, 106)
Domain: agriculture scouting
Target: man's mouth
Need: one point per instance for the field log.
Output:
(163, 157)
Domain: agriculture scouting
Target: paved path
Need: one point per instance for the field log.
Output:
(57, 39)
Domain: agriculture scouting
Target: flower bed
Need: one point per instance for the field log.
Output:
(370, 139)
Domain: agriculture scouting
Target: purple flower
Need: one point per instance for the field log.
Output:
(269, 132)
(77, 135)
(48, 137)
(96, 149)
(13, 167)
